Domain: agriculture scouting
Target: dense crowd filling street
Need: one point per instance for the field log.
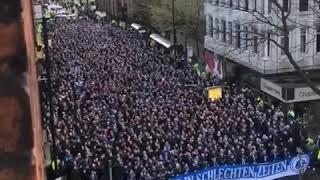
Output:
(115, 98)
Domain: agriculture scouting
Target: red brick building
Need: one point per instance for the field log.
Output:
(21, 155)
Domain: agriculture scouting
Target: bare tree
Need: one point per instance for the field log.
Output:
(142, 12)
(277, 25)
(158, 14)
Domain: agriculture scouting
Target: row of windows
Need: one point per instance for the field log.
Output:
(247, 5)
(235, 3)
(243, 37)
(233, 34)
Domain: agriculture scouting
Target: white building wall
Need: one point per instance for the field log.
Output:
(275, 62)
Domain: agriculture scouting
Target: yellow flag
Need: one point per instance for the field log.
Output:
(215, 93)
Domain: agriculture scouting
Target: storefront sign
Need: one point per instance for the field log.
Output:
(271, 88)
(305, 94)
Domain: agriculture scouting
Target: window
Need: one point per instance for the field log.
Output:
(270, 6)
(254, 5)
(224, 31)
(303, 40)
(230, 32)
(303, 5)
(207, 25)
(238, 4)
(262, 41)
(255, 40)
(246, 5)
(217, 28)
(284, 43)
(318, 39)
(210, 26)
(262, 7)
(269, 44)
(246, 37)
(285, 5)
(238, 36)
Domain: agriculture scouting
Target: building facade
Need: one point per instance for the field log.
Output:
(123, 9)
(231, 25)
(248, 34)
(21, 131)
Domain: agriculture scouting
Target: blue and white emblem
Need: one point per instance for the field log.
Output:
(299, 164)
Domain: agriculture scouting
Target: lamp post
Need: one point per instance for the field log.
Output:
(299, 150)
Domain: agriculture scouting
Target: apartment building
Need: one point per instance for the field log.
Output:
(244, 38)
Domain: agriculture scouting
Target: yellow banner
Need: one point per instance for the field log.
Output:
(215, 93)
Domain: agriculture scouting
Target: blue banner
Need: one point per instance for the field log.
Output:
(265, 171)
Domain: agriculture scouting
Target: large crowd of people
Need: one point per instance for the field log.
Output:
(115, 98)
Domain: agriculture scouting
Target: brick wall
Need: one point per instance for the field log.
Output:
(17, 145)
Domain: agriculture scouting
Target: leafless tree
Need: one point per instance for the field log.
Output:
(158, 14)
(277, 25)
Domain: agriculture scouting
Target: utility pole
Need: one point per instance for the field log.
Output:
(110, 169)
(299, 150)
(50, 92)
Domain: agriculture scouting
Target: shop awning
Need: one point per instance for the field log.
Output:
(136, 26)
(288, 92)
(54, 6)
(142, 31)
(66, 15)
(92, 8)
(165, 42)
(101, 14)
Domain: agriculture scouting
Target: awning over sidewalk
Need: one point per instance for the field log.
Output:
(136, 26)
(142, 31)
(101, 14)
(288, 92)
(54, 6)
(165, 42)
